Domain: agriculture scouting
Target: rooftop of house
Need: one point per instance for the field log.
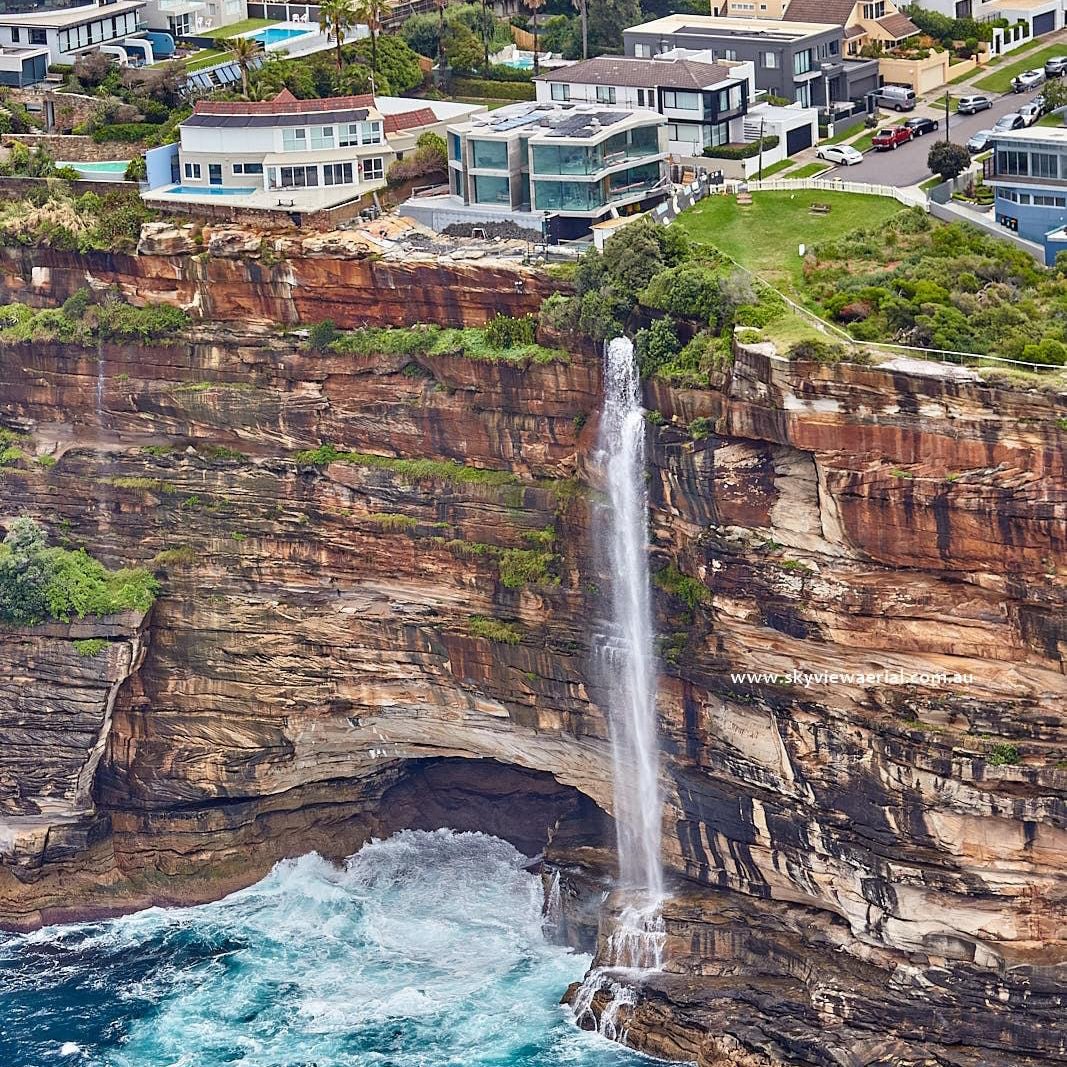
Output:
(552, 121)
(286, 110)
(641, 73)
(70, 16)
(898, 26)
(1044, 135)
(713, 25)
(835, 11)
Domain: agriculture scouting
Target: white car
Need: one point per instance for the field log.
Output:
(844, 154)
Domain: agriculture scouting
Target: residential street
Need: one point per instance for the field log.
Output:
(907, 165)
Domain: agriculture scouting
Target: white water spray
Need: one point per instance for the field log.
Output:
(631, 677)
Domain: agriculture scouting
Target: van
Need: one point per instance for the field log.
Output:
(898, 97)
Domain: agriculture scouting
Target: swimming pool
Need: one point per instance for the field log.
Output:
(277, 34)
(522, 63)
(210, 190)
(101, 169)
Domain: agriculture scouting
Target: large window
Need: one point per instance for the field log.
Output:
(297, 177)
(1012, 162)
(337, 174)
(248, 168)
(633, 180)
(1044, 165)
(294, 139)
(490, 190)
(729, 99)
(564, 159)
(351, 134)
(688, 134)
(560, 91)
(681, 101)
(372, 170)
(803, 95)
(490, 155)
(875, 10)
(455, 147)
(192, 172)
(769, 60)
(567, 196)
(802, 61)
(322, 137)
(605, 94)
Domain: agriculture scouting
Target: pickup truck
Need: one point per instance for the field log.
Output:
(890, 137)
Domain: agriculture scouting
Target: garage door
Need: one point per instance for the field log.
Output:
(1045, 23)
(797, 139)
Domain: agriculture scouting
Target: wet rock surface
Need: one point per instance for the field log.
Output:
(866, 871)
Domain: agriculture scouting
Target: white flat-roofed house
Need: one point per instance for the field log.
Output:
(301, 155)
(569, 164)
(69, 32)
(704, 103)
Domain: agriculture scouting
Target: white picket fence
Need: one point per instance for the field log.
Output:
(907, 197)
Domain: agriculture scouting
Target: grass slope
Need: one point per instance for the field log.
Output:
(1000, 80)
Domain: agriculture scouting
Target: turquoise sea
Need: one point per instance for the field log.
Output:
(424, 950)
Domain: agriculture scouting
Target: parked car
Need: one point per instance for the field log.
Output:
(1011, 121)
(843, 154)
(898, 97)
(891, 137)
(971, 105)
(920, 126)
(1031, 112)
(1029, 79)
(1055, 66)
(980, 141)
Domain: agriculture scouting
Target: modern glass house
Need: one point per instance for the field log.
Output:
(573, 163)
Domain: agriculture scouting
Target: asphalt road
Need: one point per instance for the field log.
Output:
(906, 165)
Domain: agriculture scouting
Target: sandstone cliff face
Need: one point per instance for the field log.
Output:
(248, 281)
(869, 871)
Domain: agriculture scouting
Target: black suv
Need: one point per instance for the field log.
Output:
(919, 126)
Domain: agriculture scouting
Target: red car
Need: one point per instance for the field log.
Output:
(890, 137)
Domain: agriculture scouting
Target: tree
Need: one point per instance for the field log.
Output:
(244, 49)
(535, 8)
(582, 7)
(486, 31)
(1055, 93)
(336, 18)
(398, 65)
(372, 13)
(948, 160)
(24, 574)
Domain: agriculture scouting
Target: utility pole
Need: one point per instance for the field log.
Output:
(761, 121)
(947, 113)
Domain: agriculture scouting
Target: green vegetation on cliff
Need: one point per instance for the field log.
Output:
(503, 633)
(54, 217)
(502, 340)
(38, 582)
(414, 469)
(85, 318)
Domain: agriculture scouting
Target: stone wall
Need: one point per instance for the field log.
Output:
(74, 148)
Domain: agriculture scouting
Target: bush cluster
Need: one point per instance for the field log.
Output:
(741, 151)
(950, 287)
(38, 582)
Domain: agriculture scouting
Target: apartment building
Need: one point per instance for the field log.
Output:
(61, 32)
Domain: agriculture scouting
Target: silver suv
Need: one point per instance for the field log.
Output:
(1055, 66)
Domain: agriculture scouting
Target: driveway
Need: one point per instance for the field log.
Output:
(906, 165)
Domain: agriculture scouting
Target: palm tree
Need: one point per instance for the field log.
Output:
(582, 7)
(486, 30)
(372, 14)
(535, 6)
(336, 18)
(243, 49)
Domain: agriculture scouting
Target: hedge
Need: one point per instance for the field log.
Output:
(127, 132)
(483, 87)
(740, 151)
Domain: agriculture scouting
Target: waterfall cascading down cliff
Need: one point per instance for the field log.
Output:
(635, 943)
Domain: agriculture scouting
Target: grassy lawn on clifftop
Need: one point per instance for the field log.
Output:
(764, 235)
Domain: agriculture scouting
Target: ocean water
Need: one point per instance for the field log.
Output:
(424, 950)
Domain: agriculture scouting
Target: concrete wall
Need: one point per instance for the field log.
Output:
(922, 75)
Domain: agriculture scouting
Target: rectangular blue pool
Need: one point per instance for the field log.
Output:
(211, 190)
(277, 34)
